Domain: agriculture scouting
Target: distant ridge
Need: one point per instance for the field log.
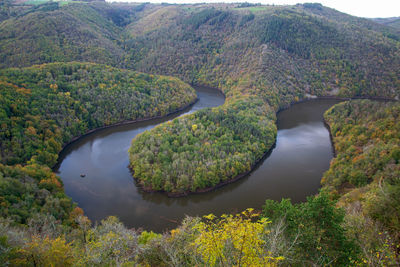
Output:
(392, 22)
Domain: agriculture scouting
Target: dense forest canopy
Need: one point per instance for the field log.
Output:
(290, 50)
(203, 149)
(45, 106)
(263, 58)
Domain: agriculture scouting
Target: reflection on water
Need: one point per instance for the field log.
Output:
(292, 170)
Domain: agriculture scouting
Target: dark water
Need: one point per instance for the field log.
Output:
(292, 170)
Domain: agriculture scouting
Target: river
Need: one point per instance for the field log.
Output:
(293, 169)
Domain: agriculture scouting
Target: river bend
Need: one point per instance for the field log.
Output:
(292, 170)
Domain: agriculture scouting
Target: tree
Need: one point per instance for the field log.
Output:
(234, 240)
(317, 227)
(45, 252)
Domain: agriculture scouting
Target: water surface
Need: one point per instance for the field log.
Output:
(292, 170)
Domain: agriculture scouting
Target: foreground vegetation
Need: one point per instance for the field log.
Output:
(307, 233)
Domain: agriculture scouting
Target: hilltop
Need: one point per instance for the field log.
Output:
(305, 48)
(391, 22)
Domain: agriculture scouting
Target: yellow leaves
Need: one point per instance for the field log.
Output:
(54, 86)
(250, 213)
(174, 232)
(146, 237)
(194, 127)
(51, 181)
(263, 221)
(234, 240)
(23, 91)
(102, 85)
(279, 258)
(210, 217)
(45, 252)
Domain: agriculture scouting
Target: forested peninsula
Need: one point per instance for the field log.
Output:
(68, 67)
(45, 106)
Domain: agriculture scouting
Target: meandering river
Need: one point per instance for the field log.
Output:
(292, 170)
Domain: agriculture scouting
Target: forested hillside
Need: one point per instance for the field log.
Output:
(45, 106)
(391, 22)
(276, 54)
(263, 58)
(365, 174)
(291, 50)
(50, 33)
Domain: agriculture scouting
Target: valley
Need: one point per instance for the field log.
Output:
(110, 86)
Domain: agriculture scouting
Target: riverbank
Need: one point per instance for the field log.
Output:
(207, 189)
(74, 139)
(109, 188)
(126, 122)
(149, 189)
(311, 98)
